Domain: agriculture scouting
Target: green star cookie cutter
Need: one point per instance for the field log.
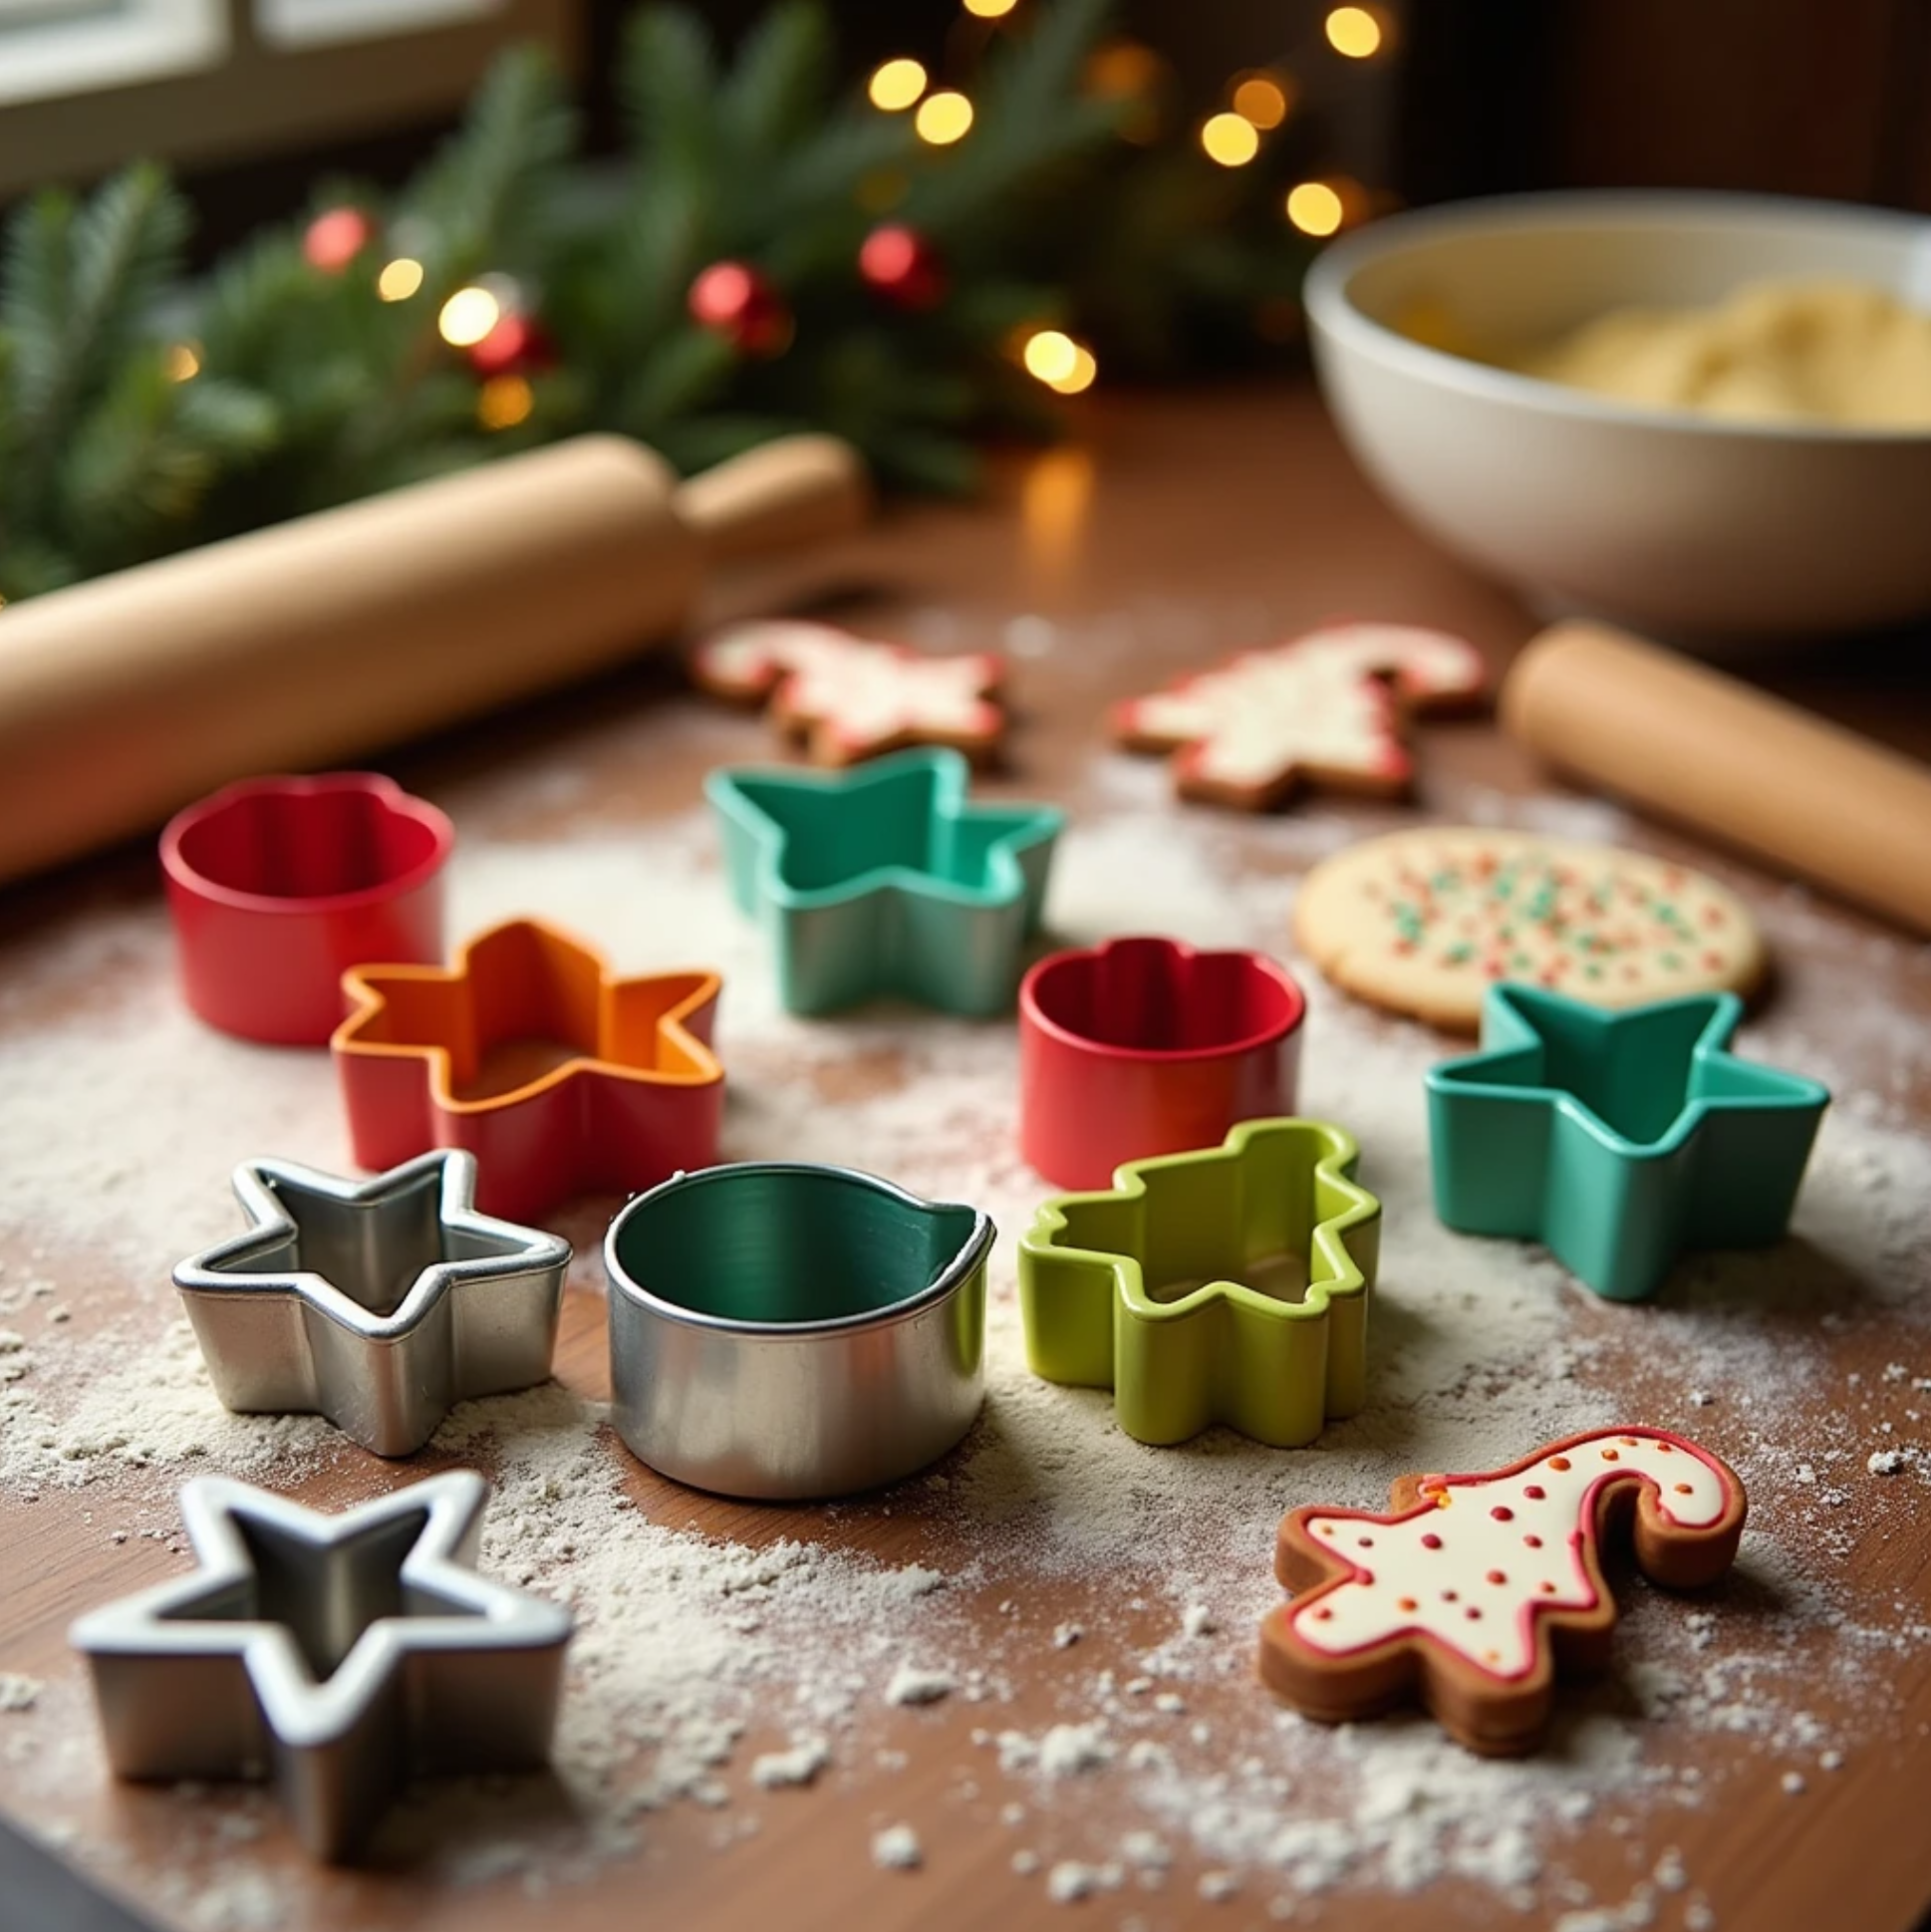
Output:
(1226, 1286)
(886, 879)
(1617, 1139)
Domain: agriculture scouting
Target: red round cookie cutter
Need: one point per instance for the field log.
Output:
(277, 886)
(1144, 1046)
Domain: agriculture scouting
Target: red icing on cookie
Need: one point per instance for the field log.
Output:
(1345, 1634)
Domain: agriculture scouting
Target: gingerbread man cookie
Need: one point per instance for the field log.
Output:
(1423, 922)
(850, 697)
(1472, 1587)
(1326, 708)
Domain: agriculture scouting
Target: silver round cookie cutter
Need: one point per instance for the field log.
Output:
(783, 1330)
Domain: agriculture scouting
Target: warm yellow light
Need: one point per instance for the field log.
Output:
(1080, 376)
(183, 362)
(896, 84)
(1055, 504)
(503, 402)
(1353, 31)
(468, 316)
(1261, 100)
(990, 9)
(400, 279)
(1050, 356)
(1229, 139)
(1315, 208)
(943, 119)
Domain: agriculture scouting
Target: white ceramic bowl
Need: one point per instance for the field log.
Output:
(1668, 520)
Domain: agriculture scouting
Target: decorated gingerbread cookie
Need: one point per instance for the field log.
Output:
(1324, 709)
(851, 697)
(1423, 922)
(1472, 1587)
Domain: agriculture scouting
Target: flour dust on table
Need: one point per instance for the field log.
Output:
(714, 1680)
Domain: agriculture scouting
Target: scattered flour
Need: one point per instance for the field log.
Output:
(800, 1765)
(910, 1685)
(688, 1645)
(897, 1848)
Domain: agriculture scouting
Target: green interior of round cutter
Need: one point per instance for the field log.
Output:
(787, 1245)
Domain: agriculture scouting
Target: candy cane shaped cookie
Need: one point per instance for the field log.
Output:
(1472, 1588)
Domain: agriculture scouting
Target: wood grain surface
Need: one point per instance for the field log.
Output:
(1174, 529)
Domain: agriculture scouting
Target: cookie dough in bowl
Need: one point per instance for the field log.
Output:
(1721, 528)
(1423, 922)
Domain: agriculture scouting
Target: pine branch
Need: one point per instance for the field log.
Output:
(1031, 117)
(126, 247)
(146, 457)
(476, 203)
(777, 86)
(666, 80)
(39, 264)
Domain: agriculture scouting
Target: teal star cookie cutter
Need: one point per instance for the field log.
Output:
(1617, 1139)
(886, 879)
(1227, 1285)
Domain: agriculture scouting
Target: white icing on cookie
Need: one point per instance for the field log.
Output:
(864, 694)
(1322, 702)
(1477, 1561)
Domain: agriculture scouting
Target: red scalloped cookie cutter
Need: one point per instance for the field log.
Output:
(1472, 1588)
(1326, 710)
(560, 1078)
(1144, 1046)
(851, 698)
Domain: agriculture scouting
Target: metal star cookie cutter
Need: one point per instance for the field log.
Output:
(886, 879)
(376, 1303)
(1226, 1286)
(557, 1074)
(1617, 1139)
(337, 1655)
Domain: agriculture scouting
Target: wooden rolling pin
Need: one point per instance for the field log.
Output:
(1701, 749)
(326, 639)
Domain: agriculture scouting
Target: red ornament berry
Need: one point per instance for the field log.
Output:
(733, 300)
(335, 238)
(519, 345)
(899, 265)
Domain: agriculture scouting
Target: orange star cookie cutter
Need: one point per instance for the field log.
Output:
(1323, 709)
(850, 699)
(560, 1077)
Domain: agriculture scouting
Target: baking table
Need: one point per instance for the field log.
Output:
(1172, 528)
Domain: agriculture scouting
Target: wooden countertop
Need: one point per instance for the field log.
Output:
(1177, 529)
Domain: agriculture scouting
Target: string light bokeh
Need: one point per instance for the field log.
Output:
(467, 316)
(400, 279)
(943, 118)
(894, 85)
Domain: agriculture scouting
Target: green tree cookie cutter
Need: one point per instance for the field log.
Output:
(886, 879)
(1617, 1139)
(1098, 1275)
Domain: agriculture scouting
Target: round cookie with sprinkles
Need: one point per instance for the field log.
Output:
(1423, 922)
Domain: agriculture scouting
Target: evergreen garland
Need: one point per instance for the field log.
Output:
(141, 415)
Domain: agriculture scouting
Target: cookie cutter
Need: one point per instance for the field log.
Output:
(334, 1654)
(1144, 1046)
(376, 1303)
(560, 1077)
(1227, 1285)
(1617, 1138)
(783, 1330)
(276, 886)
(886, 879)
